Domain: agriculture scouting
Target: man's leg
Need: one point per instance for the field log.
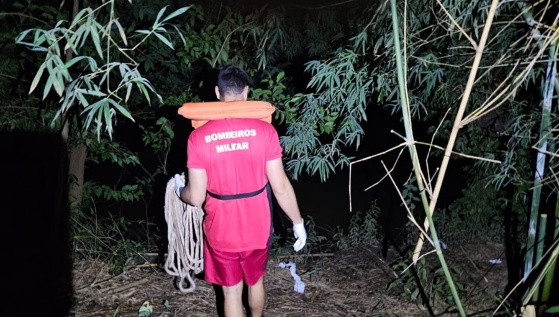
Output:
(233, 304)
(257, 298)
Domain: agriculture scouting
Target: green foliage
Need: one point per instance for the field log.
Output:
(158, 138)
(430, 280)
(272, 90)
(478, 214)
(117, 241)
(127, 193)
(315, 241)
(327, 121)
(278, 248)
(106, 151)
(411, 193)
(19, 111)
(99, 83)
(363, 229)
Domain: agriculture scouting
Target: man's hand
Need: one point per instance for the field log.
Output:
(179, 184)
(300, 234)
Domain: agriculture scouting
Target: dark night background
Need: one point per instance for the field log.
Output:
(36, 239)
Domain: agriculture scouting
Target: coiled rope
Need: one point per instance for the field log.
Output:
(185, 256)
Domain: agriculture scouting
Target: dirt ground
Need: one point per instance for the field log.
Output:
(349, 283)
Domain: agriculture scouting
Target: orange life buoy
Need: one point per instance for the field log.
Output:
(202, 112)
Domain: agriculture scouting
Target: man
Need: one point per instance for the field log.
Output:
(230, 162)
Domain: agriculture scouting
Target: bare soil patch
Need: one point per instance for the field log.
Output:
(348, 283)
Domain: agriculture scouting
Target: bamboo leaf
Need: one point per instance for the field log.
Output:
(108, 114)
(159, 15)
(82, 98)
(22, 35)
(95, 92)
(91, 110)
(99, 120)
(180, 34)
(164, 40)
(37, 77)
(145, 92)
(96, 41)
(74, 60)
(48, 85)
(176, 13)
(80, 14)
(58, 84)
(86, 31)
(128, 91)
(121, 32)
(124, 70)
(121, 109)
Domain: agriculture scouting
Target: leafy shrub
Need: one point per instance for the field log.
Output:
(422, 278)
(477, 214)
(117, 241)
(363, 229)
(315, 241)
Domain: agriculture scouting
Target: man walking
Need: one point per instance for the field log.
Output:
(232, 164)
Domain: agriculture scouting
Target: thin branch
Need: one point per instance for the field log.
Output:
(391, 169)
(474, 44)
(23, 15)
(410, 215)
(326, 6)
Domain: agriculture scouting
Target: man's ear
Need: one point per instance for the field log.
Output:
(217, 92)
(245, 93)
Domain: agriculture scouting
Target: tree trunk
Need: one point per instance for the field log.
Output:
(78, 152)
(76, 171)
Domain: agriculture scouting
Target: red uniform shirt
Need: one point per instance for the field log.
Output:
(234, 153)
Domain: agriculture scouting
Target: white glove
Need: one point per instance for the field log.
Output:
(179, 184)
(300, 234)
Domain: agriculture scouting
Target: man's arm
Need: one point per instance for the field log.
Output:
(283, 190)
(195, 191)
(285, 195)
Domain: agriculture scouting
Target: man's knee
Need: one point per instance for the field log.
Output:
(233, 291)
(259, 283)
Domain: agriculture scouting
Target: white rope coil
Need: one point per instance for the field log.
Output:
(185, 256)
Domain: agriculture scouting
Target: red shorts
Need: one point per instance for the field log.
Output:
(229, 268)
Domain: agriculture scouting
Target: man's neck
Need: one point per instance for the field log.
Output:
(233, 97)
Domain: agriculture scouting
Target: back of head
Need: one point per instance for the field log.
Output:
(232, 80)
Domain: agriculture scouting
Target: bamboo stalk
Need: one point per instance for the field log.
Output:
(545, 125)
(457, 122)
(413, 153)
(539, 249)
(527, 15)
(548, 280)
(553, 254)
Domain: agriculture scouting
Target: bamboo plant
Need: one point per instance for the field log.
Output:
(545, 127)
(429, 206)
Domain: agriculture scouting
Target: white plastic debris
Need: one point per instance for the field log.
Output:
(495, 261)
(299, 285)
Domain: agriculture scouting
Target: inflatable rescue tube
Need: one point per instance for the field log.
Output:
(202, 112)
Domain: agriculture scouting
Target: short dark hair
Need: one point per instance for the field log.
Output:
(232, 79)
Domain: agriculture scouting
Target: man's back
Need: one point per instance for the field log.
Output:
(234, 153)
